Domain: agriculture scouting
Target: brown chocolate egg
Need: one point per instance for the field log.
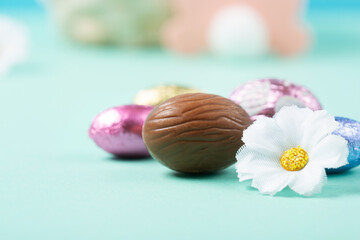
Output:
(196, 132)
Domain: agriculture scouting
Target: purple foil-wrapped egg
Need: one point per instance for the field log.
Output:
(265, 97)
(350, 130)
(118, 130)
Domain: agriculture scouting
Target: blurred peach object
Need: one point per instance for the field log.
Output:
(122, 22)
(13, 43)
(246, 27)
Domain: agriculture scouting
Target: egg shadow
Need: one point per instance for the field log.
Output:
(342, 184)
(288, 193)
(222, 175)
(129, 158)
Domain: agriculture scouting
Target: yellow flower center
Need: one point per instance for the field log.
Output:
(294, 159)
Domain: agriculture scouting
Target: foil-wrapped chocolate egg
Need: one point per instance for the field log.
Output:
(118, 130)
(350, 130)
(195, 133)
(155, 96)
(265, 97)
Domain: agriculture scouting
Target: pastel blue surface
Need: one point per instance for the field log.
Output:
(55, 184)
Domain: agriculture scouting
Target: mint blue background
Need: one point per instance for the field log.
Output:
(314, 4)
(56, 184)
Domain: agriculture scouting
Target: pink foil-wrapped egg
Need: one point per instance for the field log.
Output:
(265, 97)
(118, 130)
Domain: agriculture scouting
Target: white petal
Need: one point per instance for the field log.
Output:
(243, 176)
(308, 180)
(266, 171)
(251, 163)
(331, 152)
(243, 158)
(317, 125)
(271, 182)
(290, 120)
(265, 136)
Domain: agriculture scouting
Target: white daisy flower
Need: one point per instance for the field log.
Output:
(291, 149)
(13, 43)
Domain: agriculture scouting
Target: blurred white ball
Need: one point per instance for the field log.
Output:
(13, 43)
(238, 30)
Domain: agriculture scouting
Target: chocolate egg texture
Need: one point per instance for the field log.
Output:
(118, 130)
(265, 97)
(350, 130)
(195, 133)
(156, 95)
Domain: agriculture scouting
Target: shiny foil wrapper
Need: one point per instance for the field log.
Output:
(155, 96)
(350, 130)
(265, 97)
(118, 130)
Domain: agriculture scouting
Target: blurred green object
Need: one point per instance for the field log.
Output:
(123, 22)
(56, 184)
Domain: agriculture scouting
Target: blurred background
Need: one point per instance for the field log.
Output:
(113, 47)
